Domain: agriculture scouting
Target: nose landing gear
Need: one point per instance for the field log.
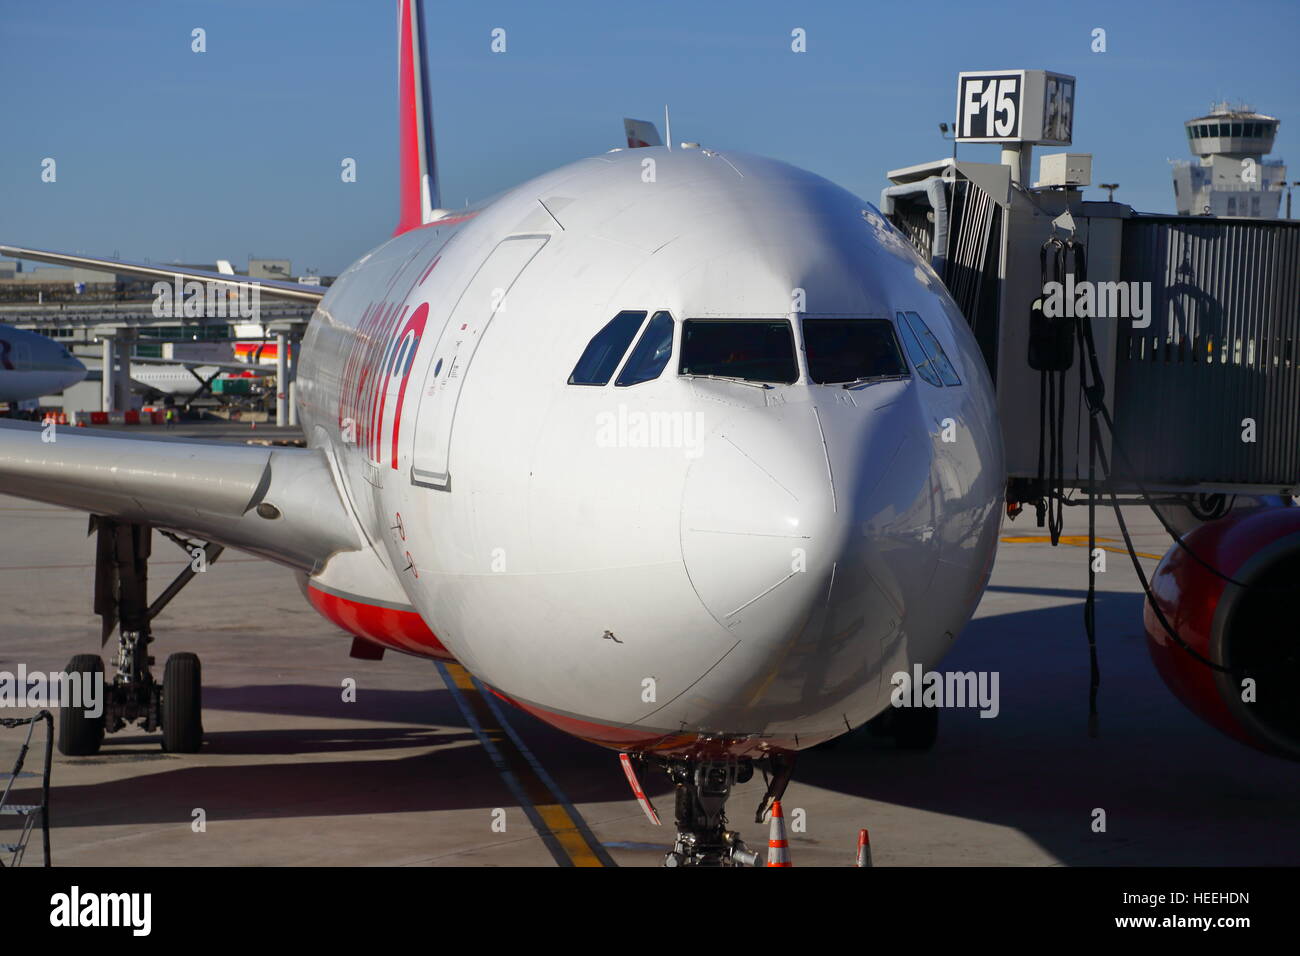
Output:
(702, 787)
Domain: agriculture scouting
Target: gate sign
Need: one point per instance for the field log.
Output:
(1015, 106)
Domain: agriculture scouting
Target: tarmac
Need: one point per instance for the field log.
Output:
(422, 769)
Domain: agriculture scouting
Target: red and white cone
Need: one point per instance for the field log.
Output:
(864, 848)
(778, 849)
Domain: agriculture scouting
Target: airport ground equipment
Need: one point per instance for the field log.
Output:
(28, 813)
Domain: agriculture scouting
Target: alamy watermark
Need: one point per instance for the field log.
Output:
(1098, 300)
(206, 300)
(84, 691)
(630, 428)
(951, 689)
(133, 911)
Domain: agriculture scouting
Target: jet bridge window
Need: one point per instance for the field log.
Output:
(651, 353)
(748, 349)
(926, 353)
(852, 350)
(606, 350)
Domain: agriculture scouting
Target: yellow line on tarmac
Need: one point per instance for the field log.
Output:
(1077, 540)
(559, 825)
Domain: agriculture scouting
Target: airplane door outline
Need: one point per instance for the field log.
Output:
(483, 298)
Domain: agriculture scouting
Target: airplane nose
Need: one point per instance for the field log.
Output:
(74, 370)
(801, 526)
(758, 522)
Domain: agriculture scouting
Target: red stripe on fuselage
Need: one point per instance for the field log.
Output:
(617, 738)
(399, 629)
(647, 741)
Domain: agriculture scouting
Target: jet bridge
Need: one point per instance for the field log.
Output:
(1196, 321)
(1137, 359)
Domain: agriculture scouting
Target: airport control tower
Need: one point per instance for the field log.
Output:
(1230, 176)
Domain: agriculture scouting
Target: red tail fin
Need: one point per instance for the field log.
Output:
(418, 166)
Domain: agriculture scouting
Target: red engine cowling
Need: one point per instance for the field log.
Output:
(1252, 629)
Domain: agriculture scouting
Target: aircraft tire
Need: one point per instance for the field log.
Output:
(81, 735)
(182, 704)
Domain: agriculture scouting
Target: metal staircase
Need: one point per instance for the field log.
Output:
(27, 813)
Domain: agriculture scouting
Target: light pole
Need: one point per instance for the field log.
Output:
(1110, 190)
(943, 131)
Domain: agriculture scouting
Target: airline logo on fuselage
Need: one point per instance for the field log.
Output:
(375, 375)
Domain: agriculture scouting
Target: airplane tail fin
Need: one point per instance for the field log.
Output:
(418, 166)
(641, 133)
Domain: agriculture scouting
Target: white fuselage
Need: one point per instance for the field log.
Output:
(175, 380)
(686, 562)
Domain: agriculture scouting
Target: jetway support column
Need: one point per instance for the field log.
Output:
(292, 361)
(281, 379)
(122, 393)
(107, 359)
(115, 358)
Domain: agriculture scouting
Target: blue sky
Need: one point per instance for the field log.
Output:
(171, 155)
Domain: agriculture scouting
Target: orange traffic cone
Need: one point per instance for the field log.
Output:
(778, 850)
(864, 848)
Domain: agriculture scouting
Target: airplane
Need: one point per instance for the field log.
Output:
(185, 380)
(692, 399)
(32, 366)
(258, 353)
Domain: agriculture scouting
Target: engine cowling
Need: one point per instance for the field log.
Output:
(1250, 629)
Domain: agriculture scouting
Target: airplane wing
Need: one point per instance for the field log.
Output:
(279, 503)
(272, 288)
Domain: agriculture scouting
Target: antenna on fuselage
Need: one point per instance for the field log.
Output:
(668, 128)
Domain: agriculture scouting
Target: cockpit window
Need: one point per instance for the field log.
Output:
(651, 353)
(606, 350)
(939, 366)
(924, 367)
(852, 350)
(747, 349)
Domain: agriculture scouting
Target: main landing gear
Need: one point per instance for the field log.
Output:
(134, 695)
(702, 787)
